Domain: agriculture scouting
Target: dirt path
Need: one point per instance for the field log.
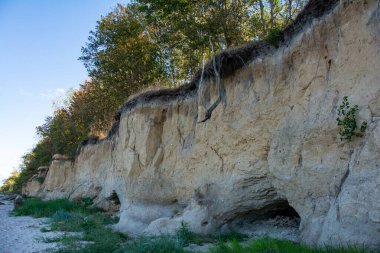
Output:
(22, 234)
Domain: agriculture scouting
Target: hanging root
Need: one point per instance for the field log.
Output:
(203, 69)
(218, 85)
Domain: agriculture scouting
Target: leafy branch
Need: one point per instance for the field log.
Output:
(347, 121)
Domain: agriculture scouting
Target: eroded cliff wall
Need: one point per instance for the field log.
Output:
(272, 144)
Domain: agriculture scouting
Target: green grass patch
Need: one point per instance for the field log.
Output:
(96, 236)
(185, 236)
(230, 236)
(162, 244)
(79, 222)
(37, 208)
(268, 245)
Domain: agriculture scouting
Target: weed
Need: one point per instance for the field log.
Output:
(347, 121)
(185, 236)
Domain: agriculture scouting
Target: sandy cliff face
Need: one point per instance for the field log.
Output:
(270, 146)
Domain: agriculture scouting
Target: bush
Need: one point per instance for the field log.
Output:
(347, 121)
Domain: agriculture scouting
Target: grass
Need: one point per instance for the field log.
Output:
(162, 244)
(95, 235)
(268, 245)
(186, 237)
(92, 234)
(231, 236)
(37, 208)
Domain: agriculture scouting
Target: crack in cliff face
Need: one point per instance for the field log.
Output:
(218, 155)
(354, 154)
(343, 179)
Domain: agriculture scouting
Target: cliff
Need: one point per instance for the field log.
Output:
(271, 147)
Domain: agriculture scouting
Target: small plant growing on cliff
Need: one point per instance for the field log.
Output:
(274, 37)
(347, 121)
(184, 235)
(40, 180)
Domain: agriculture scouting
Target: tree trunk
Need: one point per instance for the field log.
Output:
(271, 4)
(290, 3)
(262, 12)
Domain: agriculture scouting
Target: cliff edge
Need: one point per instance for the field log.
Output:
(271, 147)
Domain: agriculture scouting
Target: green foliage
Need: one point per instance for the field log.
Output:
(39, 179)
(9, 184)
(79, 222)
(72, 216)
(274, 37)
(37, 208)
(347, 121)
(122, 56)
(267, 245)
(39, 156)
(101, 238)
(161, 244)
(185, 236)
(231, 236)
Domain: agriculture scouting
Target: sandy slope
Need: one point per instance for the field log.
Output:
(22, 234)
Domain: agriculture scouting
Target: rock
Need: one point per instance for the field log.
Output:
(60, 157)
(34, 184)
(18, 201)
(270, 148)
(42, 171)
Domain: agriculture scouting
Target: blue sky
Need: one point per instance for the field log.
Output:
(40, 42)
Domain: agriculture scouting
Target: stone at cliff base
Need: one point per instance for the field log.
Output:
(18, 201)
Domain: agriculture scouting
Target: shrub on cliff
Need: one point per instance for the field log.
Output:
(347, 122)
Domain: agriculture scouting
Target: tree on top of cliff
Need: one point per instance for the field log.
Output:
(148, 42)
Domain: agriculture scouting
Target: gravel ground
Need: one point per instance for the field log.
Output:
(22, 234)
